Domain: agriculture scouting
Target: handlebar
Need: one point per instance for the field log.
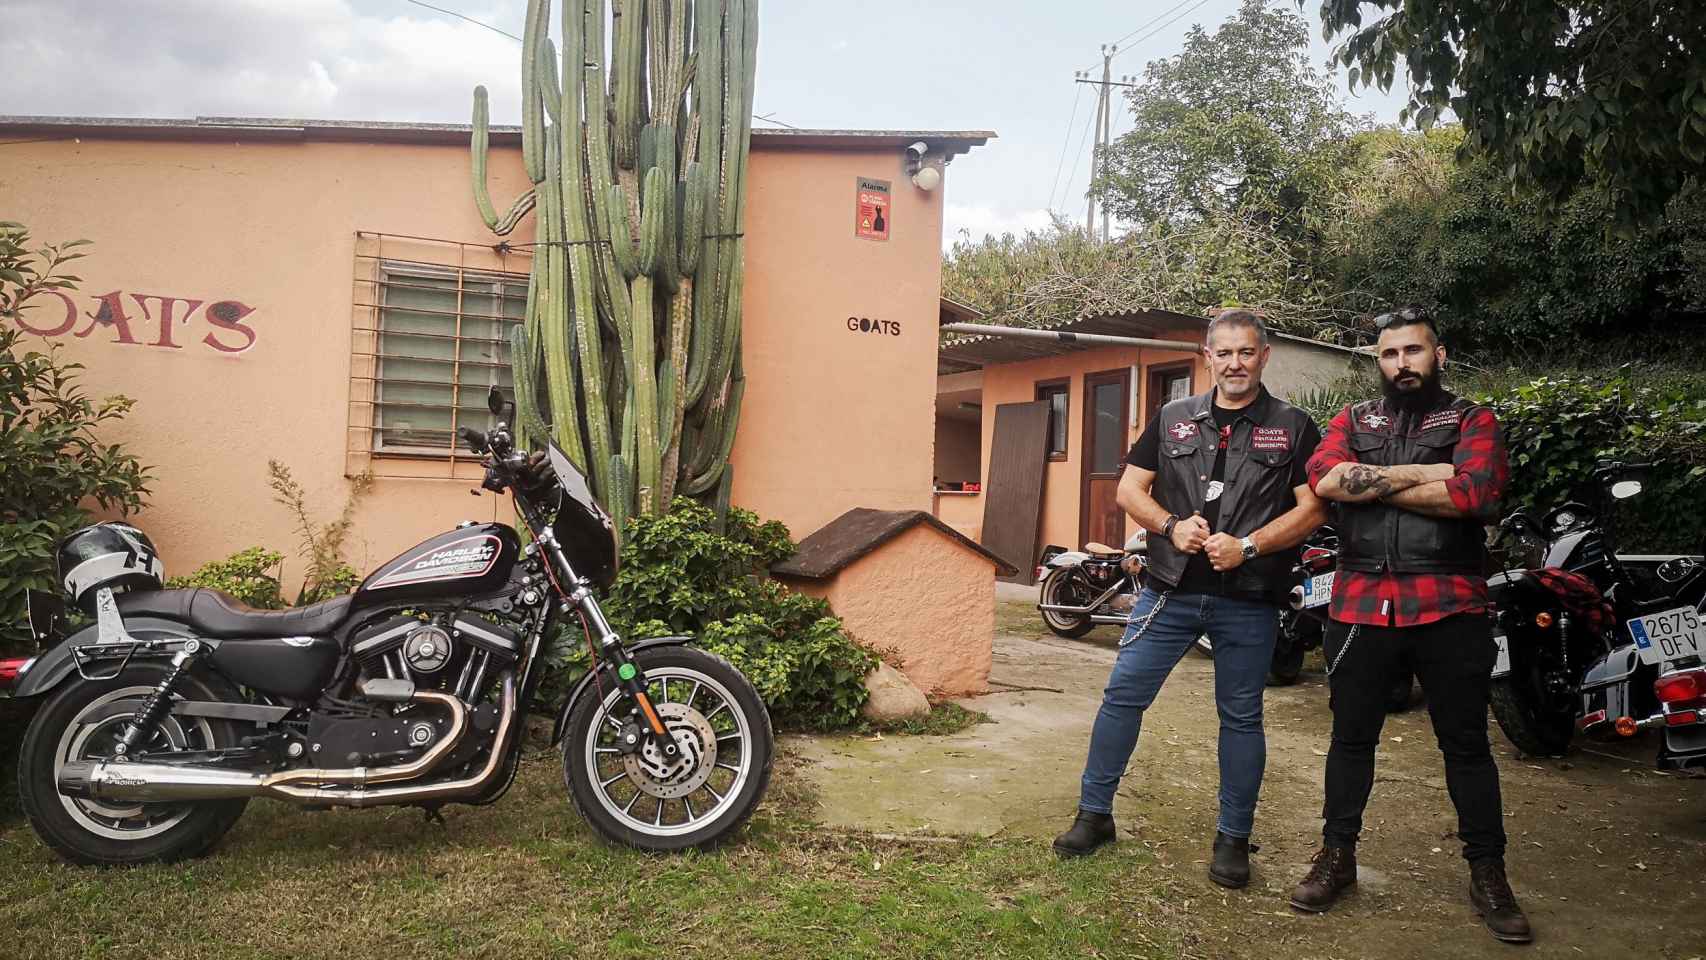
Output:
(475, 439)
(1607, 467)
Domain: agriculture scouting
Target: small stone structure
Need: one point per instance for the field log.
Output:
(904, 581)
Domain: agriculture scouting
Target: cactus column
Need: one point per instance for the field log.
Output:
(631, 347)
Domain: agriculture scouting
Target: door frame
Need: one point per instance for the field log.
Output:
(1122, 377)
(1152, 375)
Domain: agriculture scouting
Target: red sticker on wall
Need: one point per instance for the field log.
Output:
(871, 209)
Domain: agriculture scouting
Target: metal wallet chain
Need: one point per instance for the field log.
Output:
(1350, 638)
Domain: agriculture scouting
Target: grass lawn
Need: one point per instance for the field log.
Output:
(526, 878)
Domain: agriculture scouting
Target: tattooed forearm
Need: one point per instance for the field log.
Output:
(1361, 479)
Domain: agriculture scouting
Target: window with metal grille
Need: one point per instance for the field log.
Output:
(442, 344)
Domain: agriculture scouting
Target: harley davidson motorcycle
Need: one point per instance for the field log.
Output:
(161, 721)
(1585, 648)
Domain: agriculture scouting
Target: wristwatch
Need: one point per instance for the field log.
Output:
(1167, 528)
(1249, 545)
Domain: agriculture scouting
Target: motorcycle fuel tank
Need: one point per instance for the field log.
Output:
(472, 559)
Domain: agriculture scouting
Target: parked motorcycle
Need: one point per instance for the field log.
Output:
(1582, 648)
(160, 722)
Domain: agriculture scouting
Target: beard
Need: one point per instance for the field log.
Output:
(1414, 396)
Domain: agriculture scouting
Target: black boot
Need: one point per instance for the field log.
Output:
(1089, 833)
(1491, 894)
(1231, 864)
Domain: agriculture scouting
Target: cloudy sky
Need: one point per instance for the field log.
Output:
(1002, 65)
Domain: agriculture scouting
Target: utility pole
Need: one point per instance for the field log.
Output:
(1098, 153)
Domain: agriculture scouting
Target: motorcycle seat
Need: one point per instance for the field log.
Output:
(215, 614)
(1102, 551)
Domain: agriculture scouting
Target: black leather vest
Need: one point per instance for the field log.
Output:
(1257, 482)
(1376, 538)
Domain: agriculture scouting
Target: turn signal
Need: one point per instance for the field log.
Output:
(1681, 687)
(1543, 619)
(1626, 726)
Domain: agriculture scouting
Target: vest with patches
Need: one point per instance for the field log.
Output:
(1256, 487)
(1376, 538)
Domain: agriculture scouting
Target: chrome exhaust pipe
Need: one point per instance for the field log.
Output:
(1094, 605)
(126, 781)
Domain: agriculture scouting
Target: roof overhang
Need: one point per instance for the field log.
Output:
(948, 143)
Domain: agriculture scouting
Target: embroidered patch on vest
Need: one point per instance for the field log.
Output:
(1270, 438)
(1442, 418)
(1183, 430)
(1375, 421)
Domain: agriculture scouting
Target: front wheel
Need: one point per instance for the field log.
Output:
(637, 796)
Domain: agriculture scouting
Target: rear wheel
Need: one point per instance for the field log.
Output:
(1062, 587)
(83, 721)
(700, 796)
(1287, 664)
(1528, 722)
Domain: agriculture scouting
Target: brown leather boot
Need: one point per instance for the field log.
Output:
(1332, 872)
(1491, 895)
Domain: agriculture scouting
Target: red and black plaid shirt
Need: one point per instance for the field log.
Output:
(1412, 599)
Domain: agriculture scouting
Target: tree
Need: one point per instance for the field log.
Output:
(1608, 95)
(1507, 274)
(1236, 121)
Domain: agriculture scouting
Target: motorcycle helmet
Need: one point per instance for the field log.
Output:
(115, 555)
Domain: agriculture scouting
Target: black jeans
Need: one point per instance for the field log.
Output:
(1453, 659)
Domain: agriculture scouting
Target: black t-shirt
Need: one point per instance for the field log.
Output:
(1200, 576)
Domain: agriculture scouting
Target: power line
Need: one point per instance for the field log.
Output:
(1080, 157)
(1065, 142)
(1185, 13)
(477, 23)
(1146, 26)
(453, 13)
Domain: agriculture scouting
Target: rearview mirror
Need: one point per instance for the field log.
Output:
(495, 401)
(1624, 489)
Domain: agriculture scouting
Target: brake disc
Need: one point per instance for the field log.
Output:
(667, 777)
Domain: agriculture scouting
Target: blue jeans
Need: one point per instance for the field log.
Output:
(1162, 627)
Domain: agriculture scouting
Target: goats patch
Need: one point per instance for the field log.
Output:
(1270, 438)
(1183, 430)
(1442, 418)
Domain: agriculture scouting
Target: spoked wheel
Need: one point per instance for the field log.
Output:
(83, 721)
(633, 792)
(1063, 587)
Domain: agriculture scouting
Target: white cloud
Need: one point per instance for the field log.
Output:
(977, 221)
(319, 59)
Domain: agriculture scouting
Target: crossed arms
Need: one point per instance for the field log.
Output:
(1469, 486)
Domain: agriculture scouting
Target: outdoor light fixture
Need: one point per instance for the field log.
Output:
(925, 176)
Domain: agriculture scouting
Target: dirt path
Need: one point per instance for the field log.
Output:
(1607, 854)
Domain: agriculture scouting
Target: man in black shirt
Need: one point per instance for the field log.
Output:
(1220, 477)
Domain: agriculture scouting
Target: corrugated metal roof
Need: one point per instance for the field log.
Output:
(949, 142)
(974, 352)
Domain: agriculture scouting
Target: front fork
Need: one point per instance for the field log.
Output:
(629, 676)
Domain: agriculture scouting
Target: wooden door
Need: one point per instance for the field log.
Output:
(1107, 413)
(1013, 501)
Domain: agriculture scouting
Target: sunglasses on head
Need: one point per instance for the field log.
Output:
(1401, 316)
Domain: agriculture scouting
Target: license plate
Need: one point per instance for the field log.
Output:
(1671, 635)
(1318, 590)
(1502, 663)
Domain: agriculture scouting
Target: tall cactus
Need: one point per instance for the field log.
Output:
(631, 346)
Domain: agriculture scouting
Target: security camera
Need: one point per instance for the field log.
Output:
(917, 149)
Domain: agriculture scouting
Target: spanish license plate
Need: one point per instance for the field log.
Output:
(1318, 590)
(1671, 635)
(1502, 662)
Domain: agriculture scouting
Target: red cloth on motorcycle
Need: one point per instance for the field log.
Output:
(1578, 595)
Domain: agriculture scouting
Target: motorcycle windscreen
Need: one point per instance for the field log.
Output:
(583, 528)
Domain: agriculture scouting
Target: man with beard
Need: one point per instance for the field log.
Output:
(1415, 472)
(1218, 481)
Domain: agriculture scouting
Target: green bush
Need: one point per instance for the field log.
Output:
(250, 575)
(52, 465)
(680, 576)
(1557, 427)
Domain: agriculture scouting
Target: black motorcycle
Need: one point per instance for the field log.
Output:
(161, 721)
(1568, 661)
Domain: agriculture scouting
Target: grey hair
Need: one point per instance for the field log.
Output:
(1237, 318)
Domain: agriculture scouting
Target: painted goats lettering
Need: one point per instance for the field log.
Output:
(157, 320)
